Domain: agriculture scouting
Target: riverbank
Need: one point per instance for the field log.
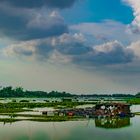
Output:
(38, 118)
(31, 111)
(22, 107)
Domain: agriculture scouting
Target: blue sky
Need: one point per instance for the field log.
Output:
(99, 10)
(79, 46)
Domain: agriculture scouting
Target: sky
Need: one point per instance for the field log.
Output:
(77, 46)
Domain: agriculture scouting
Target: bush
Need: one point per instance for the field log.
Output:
(24, 101)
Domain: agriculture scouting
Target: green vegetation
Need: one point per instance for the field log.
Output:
(12, 110)
(138, 95)
(9, 92)
(47, 104)
(24, 101)
(38, 118)
(8, 120)
(12, 107)
(133, 101)
(110, 123)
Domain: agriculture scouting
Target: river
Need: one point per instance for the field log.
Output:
(94, 129)
(72, 130)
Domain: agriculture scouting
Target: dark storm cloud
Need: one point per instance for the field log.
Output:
(43, 51)
(110, 53)
(65, 44)
(107, 54)
(32, 19)
(30, 24)
(73, 48)
(39, 3)
(43, 32)
(72, 45)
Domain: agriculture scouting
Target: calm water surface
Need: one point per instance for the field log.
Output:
(127, 129)
(99, 129)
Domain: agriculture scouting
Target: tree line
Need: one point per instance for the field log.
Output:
(9, 91)
(20, 92)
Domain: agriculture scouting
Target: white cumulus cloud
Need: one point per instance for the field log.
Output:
(135, 4)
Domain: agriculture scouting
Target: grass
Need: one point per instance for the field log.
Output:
(12, 110)
(133, 101)
(18, 107)
(39, 118)
(8, 120)
(137, 113)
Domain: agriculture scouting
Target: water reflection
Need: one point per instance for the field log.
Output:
(36, 136)
(73, 130)
(112, 122)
